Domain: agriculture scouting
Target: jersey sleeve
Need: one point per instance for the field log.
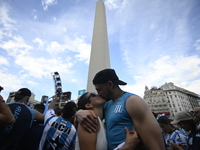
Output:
(49, 113)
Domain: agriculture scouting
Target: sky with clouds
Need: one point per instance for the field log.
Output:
(150, 43)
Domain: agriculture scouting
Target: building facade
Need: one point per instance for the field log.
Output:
(170, 99)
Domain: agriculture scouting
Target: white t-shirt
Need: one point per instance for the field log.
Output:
(101, 138)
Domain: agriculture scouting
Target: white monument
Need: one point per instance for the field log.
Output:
(99, 57)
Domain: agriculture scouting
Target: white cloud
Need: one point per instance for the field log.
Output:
(178, 70)
(40, 67)
(40, 42)
(13, 82)
(55, 47)
(182, 71)
(36, 67)
(10, 83)
(83, 49)
(4, 61)
(47, 3)
(17, 46)
(74, 80)
(31, 82)
(5, 20)
(77, 45)
(115, 4)
(197, 45)
(1, 35)
(192, 86)
(35, 17)
(137, 89)
(34, 12)
(153, 26)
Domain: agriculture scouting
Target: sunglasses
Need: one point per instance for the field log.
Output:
(91, 95)
(194, 112)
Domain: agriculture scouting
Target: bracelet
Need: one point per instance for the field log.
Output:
(2, 101)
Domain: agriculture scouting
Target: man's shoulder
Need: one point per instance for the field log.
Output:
(135, 104)
(132, 95)
(133, 98)
(127, 95)
(15, 106)
(178, 131)
(54, 121)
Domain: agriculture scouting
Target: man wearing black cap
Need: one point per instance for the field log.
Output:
(123, 109)
(10, 136)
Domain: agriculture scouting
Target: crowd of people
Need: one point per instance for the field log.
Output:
(110, 119)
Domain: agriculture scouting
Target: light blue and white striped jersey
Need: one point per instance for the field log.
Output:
(176, 137)
(58, 133)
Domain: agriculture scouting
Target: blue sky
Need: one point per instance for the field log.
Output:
(150, 42)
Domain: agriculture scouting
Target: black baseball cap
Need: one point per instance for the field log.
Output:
(22, 93)
(106, 75)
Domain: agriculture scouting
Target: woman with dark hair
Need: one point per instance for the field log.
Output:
(97, 140)
(171, 134)
(185, 120)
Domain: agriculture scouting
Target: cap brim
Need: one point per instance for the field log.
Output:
(120, 82)
(18, 96)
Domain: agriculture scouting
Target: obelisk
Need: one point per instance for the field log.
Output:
(99, 57)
